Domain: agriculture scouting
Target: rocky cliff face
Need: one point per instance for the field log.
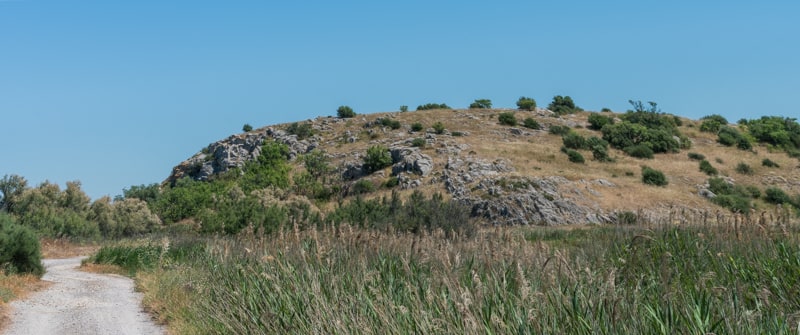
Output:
(234, 151)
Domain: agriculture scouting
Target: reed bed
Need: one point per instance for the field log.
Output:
(649, 278)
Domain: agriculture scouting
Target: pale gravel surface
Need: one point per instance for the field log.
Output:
(81, 303)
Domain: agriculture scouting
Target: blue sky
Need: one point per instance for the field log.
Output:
(115, 93)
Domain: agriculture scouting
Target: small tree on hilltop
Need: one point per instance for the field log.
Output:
(247, 127)
(481, 103)
(525, 103)
(563, 105)
(345, 112)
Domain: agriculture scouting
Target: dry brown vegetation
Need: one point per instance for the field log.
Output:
(536, 153)
(16, 287)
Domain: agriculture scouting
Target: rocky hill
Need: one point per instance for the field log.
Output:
(513, 174)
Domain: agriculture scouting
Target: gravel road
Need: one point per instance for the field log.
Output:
(81, 303)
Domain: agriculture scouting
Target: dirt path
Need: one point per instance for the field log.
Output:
(81, 303)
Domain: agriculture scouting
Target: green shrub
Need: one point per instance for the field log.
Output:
(247, 127)
(481, 103)
(403, 108)
(302, 130)
(639, 151)
(391, 182)
(387, 122)
(596, 141)
(769, 163)
(753, 191)
(19, 248)
(600, 153)
(559, 130)
(778, 131)
(776, 196)
(345, 112)
(271, 168)
(456, 133)
(438, 127)
(362, 186)
(377, 158)
(507, 119)
(416, 126)
(653, 177)
(573, 140)
(735, 203)
(419, 142)
(597, 121)
(525, 103)
(705, 167)
(563, 105)
(429, 106)
(606, 110)
(713, 123)
(745, 169)
(575, 156)
(696, 157)
(531, 123)
(729, 136)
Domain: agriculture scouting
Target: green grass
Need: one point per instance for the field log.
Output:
(596, 280)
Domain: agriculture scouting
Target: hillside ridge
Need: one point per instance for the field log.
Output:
(506, 174)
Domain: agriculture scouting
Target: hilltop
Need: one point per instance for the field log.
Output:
(512, 174)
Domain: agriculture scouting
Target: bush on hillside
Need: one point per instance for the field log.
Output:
(713, 123)
(778, 131)
(769, 163)
(387, 122)
(573, 140)
(271, 168)
(247, 127)
(696, 157)
(377, 158)
(639, 151)
(438, 128)
(559, 130)
(507, 119)
(525, 103)
(345, 112)
(776, 196)
(653, 177)
(416, 126)
(575, 156)
(302, 130)
(597, 121)
(744, 169)
(600, 154)
(729, 136)
(403, 108)
(705, 167)
(531, 123)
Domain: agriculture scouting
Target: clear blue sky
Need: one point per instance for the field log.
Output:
(115, 93)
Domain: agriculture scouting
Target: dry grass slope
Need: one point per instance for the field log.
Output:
(536, 153)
